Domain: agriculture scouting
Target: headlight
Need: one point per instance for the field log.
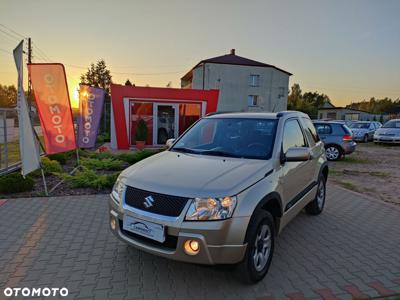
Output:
(204, 209)
(118, 190)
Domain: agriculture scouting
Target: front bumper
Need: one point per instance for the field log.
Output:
(221, 242)
(387, 139)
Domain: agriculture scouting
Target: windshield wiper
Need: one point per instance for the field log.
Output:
(219, 153)
(185, 150)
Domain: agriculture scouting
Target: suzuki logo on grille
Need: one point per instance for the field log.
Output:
(149, 200)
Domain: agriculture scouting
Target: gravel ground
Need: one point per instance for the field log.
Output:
(372, 169)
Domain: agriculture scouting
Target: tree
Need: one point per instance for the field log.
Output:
(129, 83)
(294, 97)
(97, 75)
(8, 96)
(308, 102)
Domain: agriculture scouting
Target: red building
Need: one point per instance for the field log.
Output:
(167, 112)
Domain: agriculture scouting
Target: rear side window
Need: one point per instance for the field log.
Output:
(292, 135)
(323, 128)
(311, 132)
(346, 129)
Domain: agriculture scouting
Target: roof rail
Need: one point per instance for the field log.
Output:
(285, 112)
(219, 113)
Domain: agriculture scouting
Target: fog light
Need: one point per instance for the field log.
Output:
(191, 247)
(113, 223)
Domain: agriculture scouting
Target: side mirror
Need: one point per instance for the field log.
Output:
(169, 143)
(298, 154)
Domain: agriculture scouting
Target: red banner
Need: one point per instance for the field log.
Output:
(49, 85)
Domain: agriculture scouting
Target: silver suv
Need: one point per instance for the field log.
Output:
(223, 191)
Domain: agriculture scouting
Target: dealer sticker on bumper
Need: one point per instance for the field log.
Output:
(144, 228)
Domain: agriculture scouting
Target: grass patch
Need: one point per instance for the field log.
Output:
(334, 172)
(379, 174)
(354, 160)
(347, 185)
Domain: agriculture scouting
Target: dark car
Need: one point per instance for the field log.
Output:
(337, 138)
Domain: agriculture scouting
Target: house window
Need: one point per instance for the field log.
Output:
(281, 92)
(252, 100)
(254, 80)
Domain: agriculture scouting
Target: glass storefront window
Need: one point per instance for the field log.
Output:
(141, 110)
(188, 114)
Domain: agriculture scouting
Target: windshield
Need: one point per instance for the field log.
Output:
(392, 124)
(360, 125)
(230, 137)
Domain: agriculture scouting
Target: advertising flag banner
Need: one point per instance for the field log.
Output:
(91, 101)
(28, 146)
(51, 92)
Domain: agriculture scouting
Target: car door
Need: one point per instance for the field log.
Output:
(371, 131)
(295, 177)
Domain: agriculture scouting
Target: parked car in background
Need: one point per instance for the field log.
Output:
(345, 122)
(388, 133)
(223, 191)
(364, 130)
(337, 138)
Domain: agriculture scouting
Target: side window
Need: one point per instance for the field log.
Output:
(292, 135)
(323, 128)
(311, 132)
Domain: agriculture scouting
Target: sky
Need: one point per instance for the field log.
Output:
(347, 49)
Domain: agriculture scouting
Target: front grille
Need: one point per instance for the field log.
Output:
(166, 205)
(169, 243)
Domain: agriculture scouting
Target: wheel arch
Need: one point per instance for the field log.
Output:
(273, 204)
(324, 170)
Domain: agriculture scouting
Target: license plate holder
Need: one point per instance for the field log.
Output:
(144, 228)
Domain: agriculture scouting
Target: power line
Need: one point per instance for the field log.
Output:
(43, 54)
(13, 31)
(6, 51)
(10, 35)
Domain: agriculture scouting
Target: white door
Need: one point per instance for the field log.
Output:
(166, 122)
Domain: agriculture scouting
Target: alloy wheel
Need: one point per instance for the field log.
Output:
(321, 194)
(262, 247)
(332, 153)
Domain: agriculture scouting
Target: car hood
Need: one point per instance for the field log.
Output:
(386, 131)
(193, 175)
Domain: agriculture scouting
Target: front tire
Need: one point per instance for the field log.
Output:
(316, 206)
(260, 238)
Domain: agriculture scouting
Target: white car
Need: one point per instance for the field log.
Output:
(388, 133)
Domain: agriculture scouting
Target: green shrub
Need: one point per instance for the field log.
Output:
(15, 183)
(51, 166)
(100, 139)
(62, 158)
(134, 157)
(103, 164)
(141, 131)
(89, 179)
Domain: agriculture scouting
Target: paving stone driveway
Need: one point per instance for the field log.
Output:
(352, 249)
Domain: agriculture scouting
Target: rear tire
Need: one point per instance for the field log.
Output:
(333, 152)
(260, 239)
(316, 206)
(366, 139)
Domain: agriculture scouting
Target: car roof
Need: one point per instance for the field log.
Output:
(328, 122)
(255, 115)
